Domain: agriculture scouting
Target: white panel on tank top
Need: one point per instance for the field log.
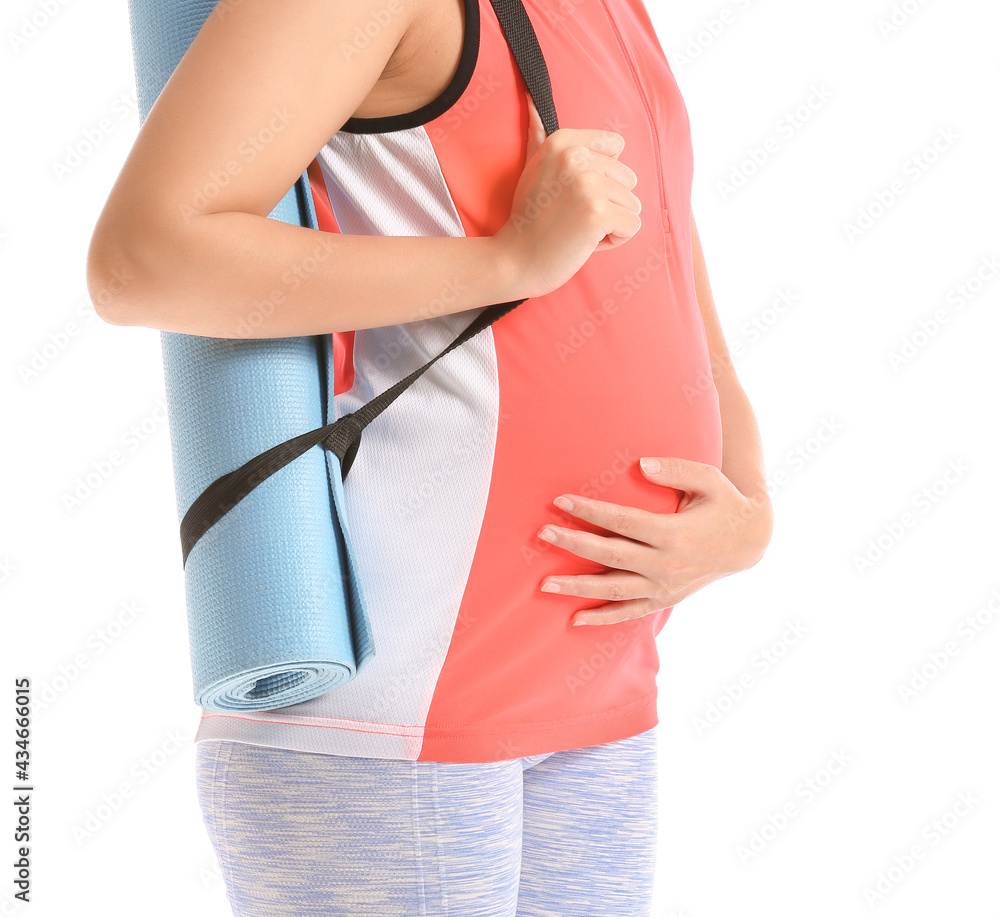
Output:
(416, 493)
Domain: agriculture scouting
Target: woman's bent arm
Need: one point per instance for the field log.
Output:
(239, 275)
(164, 256)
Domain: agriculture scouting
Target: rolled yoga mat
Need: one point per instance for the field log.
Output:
(275, 611)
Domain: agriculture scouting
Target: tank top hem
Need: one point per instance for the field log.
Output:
(463, 744)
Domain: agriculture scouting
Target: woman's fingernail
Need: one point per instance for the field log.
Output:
(550, 587)
(564, 503)
(650, 465)
(547, 534)
(579, 621)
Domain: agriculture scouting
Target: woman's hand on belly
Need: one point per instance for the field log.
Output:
(658, 559)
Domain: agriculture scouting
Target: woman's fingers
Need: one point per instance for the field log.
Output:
(638, 524)
(614, 586)
(617, 553)
(584, 159)
(613, 614)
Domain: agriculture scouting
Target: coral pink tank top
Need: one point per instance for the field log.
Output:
(563, 395)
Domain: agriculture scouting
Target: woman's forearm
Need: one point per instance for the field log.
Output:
(743, 457)
(240, 275)
(742, 449)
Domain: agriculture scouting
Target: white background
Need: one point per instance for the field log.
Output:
(851, 443)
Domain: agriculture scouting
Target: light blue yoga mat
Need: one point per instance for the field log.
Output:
(272, 619)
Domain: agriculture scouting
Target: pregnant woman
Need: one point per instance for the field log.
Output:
(529, 512)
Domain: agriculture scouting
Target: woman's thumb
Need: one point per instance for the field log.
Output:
(536, 129)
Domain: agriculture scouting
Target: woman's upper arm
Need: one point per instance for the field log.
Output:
(262, 87)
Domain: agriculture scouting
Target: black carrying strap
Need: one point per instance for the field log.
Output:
(343, 436)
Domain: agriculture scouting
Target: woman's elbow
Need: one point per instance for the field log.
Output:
(111, 281)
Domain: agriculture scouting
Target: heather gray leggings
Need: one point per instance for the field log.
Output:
(566, 834)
